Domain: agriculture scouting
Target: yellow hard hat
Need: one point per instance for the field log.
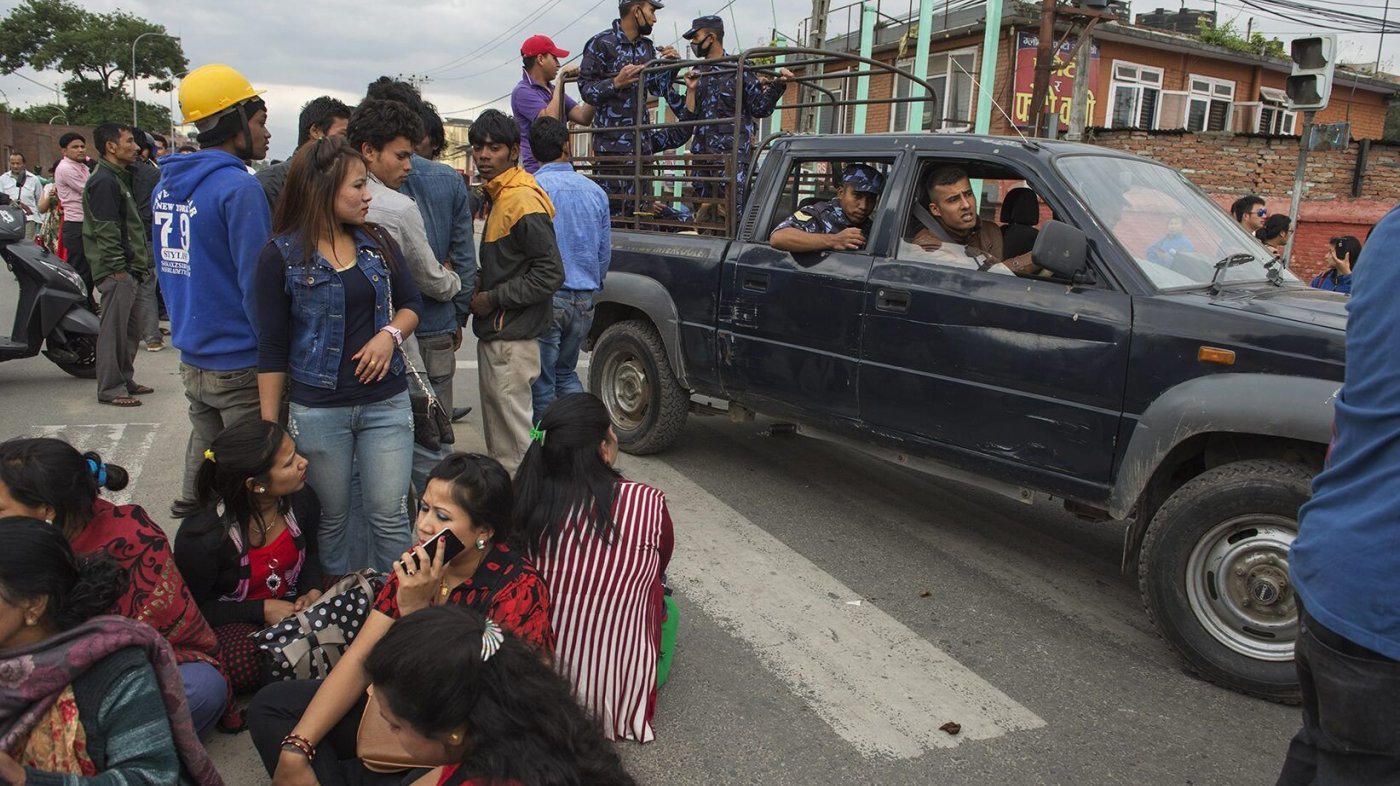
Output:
(210, 89)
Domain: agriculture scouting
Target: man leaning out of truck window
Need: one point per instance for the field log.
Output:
(841, 224)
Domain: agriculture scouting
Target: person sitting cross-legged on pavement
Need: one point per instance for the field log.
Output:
(513, 301)
(48, 479)
(115, 245)
(601, 543)
(583, 231)
(88, 698)
(247, 543)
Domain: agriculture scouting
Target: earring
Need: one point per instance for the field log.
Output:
(455, 738)
(31, 621)
(481, 544)
(260, 490)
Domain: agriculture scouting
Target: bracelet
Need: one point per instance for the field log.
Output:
(301, 745)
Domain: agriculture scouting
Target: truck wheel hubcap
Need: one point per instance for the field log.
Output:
(626, 391)
(1238, 587)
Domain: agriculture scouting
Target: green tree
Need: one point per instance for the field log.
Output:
(1227, 37)
(94, 50)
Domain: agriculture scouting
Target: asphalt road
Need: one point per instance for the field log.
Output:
(836, 611)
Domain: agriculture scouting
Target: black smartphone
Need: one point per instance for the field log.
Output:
(449, 541)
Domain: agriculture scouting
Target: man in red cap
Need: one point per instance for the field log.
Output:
(538, 95)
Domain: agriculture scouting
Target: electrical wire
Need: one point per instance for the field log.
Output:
(495, 43)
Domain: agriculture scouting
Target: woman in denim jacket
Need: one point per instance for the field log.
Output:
(334, 304)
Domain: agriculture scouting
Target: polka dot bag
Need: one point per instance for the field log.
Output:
(308, 644)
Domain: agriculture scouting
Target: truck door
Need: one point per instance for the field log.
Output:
(789, 326)
(1026, 370)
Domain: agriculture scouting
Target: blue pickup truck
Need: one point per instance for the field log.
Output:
(1164, 372)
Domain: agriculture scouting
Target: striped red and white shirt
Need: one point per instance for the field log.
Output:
(606, 605)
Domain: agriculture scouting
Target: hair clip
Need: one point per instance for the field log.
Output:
(537, 434)
(491, 639)
(209, 454)
(98, 471)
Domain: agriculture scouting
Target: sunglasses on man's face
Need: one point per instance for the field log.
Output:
(1261, 212)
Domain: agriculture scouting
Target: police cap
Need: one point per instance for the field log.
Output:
(704, 23)
(654, 3)
(863, 177)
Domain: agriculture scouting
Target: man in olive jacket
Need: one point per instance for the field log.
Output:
(513, 302)
(117, 249)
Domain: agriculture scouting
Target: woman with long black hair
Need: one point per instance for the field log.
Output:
(335, 302)
(248, 547)
(602, 543)
(460, 692)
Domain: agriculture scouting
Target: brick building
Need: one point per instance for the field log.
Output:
(38, 142)
(1218, 115)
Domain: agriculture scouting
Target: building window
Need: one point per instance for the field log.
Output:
(1208, 108)
(1134, 96)
(950, 75)
(1274, 116)
(833, 89)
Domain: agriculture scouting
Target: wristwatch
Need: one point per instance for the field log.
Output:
(394, 333)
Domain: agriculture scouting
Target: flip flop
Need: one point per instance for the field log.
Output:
(140, 390)
(121, 401)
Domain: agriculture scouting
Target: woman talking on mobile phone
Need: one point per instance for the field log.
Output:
(305, 730)
(335, 302)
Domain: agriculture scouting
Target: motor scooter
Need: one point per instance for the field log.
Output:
(52, 313)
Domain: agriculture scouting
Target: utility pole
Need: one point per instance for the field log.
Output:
(1079, 103)
(1385, 22)
(816, 39)
(1044, 65)
(416, 80)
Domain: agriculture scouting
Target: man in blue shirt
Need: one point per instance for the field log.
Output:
(1345, 563)
(539, 95)
(583, 233)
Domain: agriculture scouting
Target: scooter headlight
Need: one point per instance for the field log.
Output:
(69, 274)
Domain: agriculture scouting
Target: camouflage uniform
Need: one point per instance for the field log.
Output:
(716, 101)
(603, 57)
(827, 218)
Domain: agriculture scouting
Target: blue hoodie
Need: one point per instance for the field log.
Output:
(211, 222)
(1346, 561)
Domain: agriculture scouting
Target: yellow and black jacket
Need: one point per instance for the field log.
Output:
(520, 263)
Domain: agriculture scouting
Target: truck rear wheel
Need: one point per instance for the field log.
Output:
(632, 376)
(1213, 573)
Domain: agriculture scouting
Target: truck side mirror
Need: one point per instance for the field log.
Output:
(1061, 249)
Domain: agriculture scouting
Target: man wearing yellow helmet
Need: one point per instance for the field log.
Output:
(211, 220)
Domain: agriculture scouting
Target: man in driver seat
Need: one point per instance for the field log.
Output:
(838, 225)
(953, 208)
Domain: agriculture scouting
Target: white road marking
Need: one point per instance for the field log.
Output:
(127, 444)
(878, 684)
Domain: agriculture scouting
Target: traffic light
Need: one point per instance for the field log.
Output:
(1310, 84)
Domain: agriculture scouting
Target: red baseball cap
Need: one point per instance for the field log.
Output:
(537, 45)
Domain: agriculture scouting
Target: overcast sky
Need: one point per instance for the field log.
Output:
(298, 49)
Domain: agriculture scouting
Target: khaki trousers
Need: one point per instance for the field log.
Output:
(507, 370)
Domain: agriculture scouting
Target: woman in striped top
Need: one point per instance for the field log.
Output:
(601, 543)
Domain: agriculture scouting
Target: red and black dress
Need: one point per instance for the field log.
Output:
(505, 587)
(230, 581)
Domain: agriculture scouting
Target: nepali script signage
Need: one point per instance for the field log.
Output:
(1061, 79)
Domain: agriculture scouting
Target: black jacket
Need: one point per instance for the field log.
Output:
(212, 566)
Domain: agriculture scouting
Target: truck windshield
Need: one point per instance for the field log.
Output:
(1174, 233)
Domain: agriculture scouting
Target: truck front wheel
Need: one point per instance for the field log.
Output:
(632, 376)
(1213, 572)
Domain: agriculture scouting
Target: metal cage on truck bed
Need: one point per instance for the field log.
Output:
(655, 191)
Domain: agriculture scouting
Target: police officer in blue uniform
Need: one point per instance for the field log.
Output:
(711, 94)
(612, 65)
(839, 225)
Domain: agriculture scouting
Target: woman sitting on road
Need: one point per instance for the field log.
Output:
(247, 548)
(48, 480)
(461, 693)
(335, 301)
(470, 496)
(83, 696)
(602, 543)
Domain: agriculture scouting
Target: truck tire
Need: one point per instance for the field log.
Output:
(632, 376)
(1213, 573)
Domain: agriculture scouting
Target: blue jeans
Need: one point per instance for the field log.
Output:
(559, 348)
(206, 692)
(373, 442)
